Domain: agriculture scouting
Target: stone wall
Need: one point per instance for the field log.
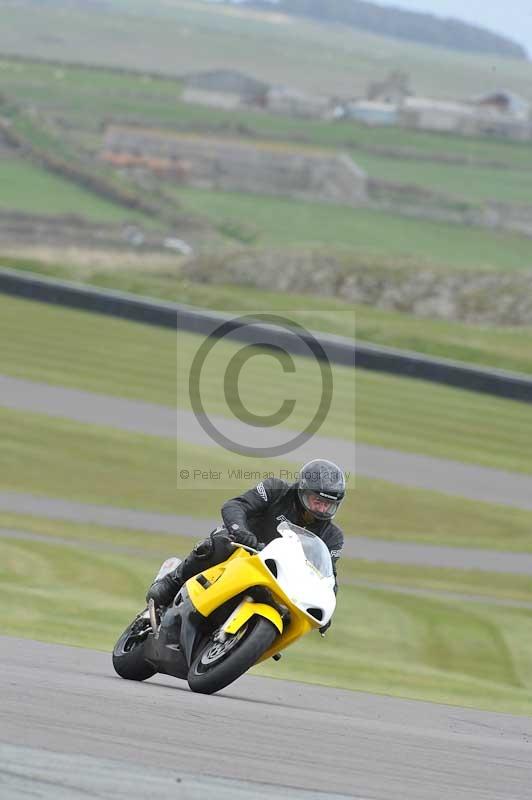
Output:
(202, 97)
(469, 296)
(236, 165)
(73, 230)
(418, 202)
(6, 149)
(299, 172)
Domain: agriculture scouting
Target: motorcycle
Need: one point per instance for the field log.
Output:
(234, 615)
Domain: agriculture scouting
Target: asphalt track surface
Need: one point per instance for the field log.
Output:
(377, 550)
(70, 726)
(407, 469)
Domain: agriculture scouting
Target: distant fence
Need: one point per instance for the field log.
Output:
(337, 349)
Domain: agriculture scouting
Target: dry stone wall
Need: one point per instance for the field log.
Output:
(71, 230)
(278, 169)
(6, 149)
(467, 296)
(410, 200)
(234, 165)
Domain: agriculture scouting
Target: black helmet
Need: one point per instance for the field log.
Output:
(321, 480)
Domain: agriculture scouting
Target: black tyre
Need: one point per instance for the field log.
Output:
(128, 652)
(217, 664)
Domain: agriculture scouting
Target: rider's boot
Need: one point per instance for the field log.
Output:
(163, 591)
(216, 548)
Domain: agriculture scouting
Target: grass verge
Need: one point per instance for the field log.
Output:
(437, 650)
(476, 583)
(381, 641)
(130, 360)
(59, 458)
(494, 346)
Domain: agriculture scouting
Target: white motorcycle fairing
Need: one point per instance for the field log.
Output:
(304, 570)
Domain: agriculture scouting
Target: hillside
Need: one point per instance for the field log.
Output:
(399, 24)
(176, 37)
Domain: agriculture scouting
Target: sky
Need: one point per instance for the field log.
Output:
(511, 18)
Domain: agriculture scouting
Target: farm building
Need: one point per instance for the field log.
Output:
(465, 119)
(504, 103)
(224, 89)
(370, 112)
(436, 115)
(284, 100)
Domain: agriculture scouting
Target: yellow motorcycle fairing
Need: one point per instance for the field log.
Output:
(241, 571)
(246, 610)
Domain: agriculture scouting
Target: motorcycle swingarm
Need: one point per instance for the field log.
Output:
(170, 651)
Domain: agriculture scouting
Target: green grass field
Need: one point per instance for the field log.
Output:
(95, 464)
(377, 409)
(506, 347)
(28, 188)
(463, 182)
(89, 93)
(283, 222)
(381, 641)
(130, 360)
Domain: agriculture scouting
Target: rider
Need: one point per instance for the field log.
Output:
(252, 518)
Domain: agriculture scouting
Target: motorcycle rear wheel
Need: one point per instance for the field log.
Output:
(128, 654)
(216, 665)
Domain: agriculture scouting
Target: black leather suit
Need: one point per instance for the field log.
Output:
(261, 509)
(258, 511)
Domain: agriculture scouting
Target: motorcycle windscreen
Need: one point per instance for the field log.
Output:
(316, 552)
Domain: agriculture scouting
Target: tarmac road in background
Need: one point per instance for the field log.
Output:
(355, 546)
(406, 469)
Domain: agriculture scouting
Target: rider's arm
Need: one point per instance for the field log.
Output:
(334, 540)
(241, 510)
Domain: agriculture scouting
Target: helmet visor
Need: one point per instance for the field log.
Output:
(319, 506)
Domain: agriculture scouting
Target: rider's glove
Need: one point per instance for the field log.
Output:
(217, 545)
(222, 543)
(242, 536)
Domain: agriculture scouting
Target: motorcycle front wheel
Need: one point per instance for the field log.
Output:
(219, 663)
(128, 652)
